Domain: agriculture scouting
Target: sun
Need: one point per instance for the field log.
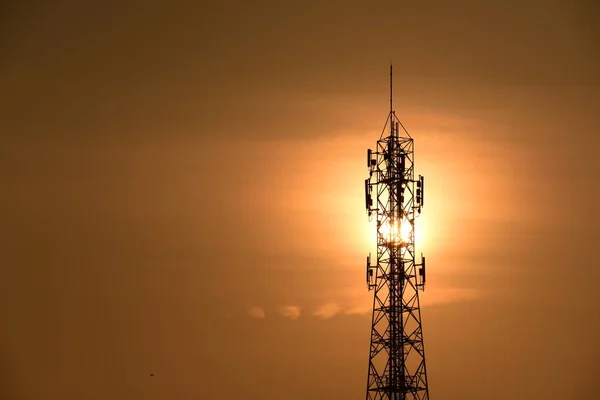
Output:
(397, 232)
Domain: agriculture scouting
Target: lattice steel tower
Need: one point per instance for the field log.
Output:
(397, 355)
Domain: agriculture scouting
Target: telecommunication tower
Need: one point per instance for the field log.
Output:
(397, 356)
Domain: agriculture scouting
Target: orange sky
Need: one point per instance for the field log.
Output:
(182, 195)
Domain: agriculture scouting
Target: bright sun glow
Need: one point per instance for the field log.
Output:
(396, 232)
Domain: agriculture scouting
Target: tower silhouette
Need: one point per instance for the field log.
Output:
(394, 197)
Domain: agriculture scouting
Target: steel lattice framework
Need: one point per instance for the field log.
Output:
(397, 356)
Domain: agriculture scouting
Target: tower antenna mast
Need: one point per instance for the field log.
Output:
(391, 92)
(395, 197)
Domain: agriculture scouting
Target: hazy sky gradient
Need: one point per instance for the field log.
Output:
(182, 195)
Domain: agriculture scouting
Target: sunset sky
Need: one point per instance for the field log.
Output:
(182, 195)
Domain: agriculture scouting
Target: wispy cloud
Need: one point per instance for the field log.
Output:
(434, 296)
(359, 310)
(291, 312)
(328, 310)
(448, 295)
(257, 312)
(331, 309)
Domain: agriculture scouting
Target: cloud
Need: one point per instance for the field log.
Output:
(447, 295)
(291, 312)
(257, 312)
(328, 310)
(359, 310)
(431, 297)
